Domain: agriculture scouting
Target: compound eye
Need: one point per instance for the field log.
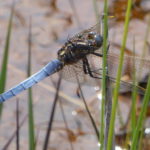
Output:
(98, 40)
(91, 35)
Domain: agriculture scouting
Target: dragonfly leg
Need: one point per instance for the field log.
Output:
(84, 67)
(100, 55)
(97, 54)
(87, 69)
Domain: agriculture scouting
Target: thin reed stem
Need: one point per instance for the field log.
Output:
(117, 86)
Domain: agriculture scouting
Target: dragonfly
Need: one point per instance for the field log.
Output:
(79, 57)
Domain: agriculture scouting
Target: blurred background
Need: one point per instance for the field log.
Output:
(53, 22)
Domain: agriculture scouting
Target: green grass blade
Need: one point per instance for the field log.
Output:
(116, 90)
(144, 51)
(134, 93)
(141, 117)
(3, 72)
(105, 46)
(30, 99)
(31, 121)
(132, 117)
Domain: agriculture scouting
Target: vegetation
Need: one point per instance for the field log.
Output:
(103, 125)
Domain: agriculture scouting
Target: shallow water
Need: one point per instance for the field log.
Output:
(50, 29)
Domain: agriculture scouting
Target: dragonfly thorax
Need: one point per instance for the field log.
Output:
(80, 47)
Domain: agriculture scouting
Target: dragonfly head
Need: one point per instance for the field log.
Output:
(96, 39)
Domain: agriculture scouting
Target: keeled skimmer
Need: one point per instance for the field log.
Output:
(80, 56)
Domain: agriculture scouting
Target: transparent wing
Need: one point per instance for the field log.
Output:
(70, 71)
(84, 33)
